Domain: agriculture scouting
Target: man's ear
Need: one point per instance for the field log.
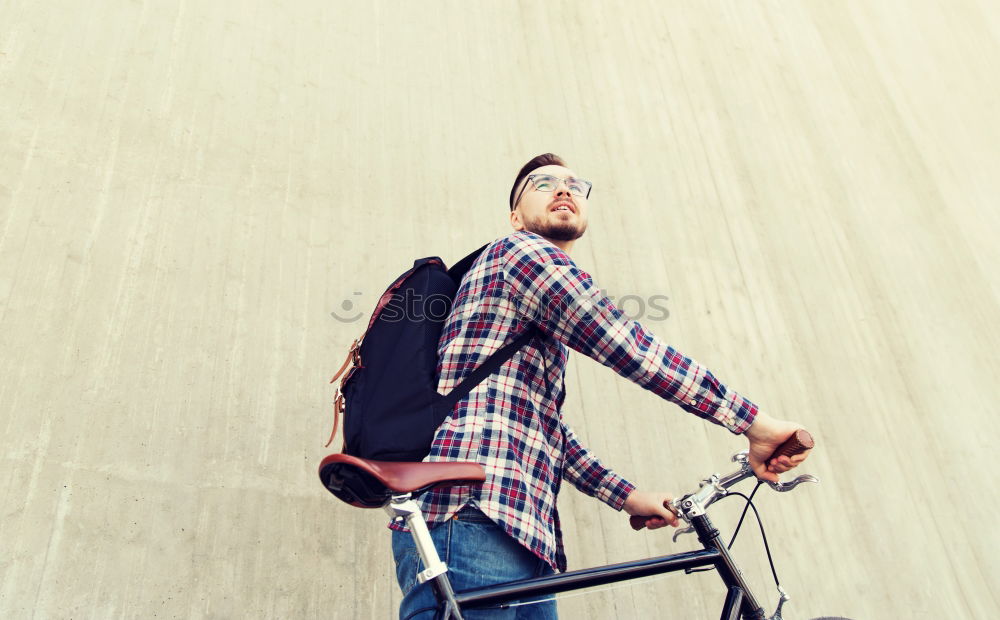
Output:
(515, 220)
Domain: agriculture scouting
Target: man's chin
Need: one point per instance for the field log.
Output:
(558, 232)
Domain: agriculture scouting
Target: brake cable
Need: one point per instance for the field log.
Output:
(739, 524)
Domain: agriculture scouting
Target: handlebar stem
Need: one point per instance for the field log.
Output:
(712, 489)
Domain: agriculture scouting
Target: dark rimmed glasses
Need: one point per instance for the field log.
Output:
(549, 183)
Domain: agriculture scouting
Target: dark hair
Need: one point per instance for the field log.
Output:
(546, 159)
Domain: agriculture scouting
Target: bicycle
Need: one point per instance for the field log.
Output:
(394, 487)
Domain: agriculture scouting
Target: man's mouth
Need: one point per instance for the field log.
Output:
(563, 206)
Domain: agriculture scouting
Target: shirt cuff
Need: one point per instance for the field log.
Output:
(729, 409)
(736, 413)
(614, 490)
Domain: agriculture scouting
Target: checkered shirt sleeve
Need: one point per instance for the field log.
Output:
(553, 293)
(585, 472)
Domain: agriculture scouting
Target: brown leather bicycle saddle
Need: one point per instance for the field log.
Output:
(370, 484)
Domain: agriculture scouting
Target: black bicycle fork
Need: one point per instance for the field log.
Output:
(739, 598)
(739, 602)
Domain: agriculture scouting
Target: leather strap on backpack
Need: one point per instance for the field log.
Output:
(353, 355)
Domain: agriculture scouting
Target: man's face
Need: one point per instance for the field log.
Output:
(559, 215)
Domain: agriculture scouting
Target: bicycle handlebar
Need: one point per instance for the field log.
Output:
(799, 442)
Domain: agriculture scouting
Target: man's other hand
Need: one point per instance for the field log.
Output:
(765, 435)
(651, 504)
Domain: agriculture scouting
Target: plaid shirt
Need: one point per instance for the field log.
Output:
(511, 423)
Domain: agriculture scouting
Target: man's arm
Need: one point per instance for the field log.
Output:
(585, 472)
(563, 301)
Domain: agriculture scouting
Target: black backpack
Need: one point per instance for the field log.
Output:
(388, 394)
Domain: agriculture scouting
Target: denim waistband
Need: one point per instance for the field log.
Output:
(471, 514)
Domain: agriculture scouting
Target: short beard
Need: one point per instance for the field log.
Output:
(558, 231)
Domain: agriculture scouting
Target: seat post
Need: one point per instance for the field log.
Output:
(403, 506)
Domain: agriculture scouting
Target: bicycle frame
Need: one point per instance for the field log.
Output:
(739, 599)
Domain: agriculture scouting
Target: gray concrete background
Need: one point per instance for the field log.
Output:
(189, 189)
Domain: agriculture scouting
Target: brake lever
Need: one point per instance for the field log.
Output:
(678, 533)
(784, 487)
(743, 459)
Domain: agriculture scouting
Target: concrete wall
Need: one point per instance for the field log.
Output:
(189, 189)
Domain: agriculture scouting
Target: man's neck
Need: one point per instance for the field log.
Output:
(565, 246)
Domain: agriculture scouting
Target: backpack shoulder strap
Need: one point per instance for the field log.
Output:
(461, 267)
(491, 365)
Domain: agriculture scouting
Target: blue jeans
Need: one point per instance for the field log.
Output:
(478, 553)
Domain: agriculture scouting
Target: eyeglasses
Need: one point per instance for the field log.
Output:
(549, 183)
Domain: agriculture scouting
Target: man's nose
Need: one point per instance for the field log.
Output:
(563, 188)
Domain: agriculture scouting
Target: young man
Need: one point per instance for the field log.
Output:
(508, 527)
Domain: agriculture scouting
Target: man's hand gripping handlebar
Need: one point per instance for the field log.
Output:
(715, 487)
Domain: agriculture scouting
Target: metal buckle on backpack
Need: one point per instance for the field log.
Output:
(356, 351)
(338, 408)
(353, 358)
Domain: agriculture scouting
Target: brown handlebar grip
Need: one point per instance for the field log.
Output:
(799, 442)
